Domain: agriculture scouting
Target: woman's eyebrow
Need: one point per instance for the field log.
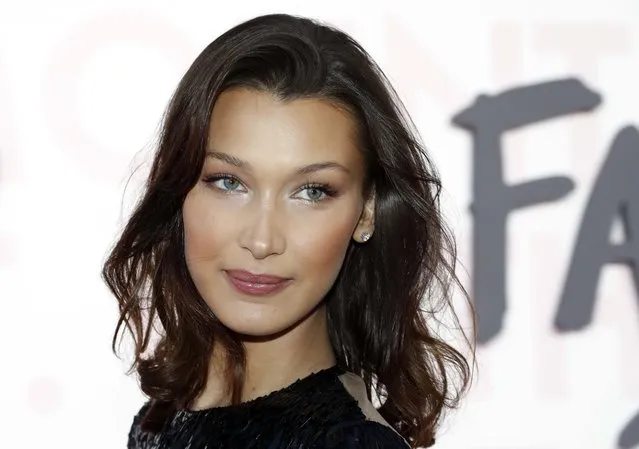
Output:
(303, 170)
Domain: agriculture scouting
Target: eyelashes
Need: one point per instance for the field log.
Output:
(326, 192)
(212, 179)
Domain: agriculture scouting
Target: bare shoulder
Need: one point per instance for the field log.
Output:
(372, 433)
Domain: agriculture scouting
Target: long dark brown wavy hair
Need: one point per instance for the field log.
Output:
(388, 290)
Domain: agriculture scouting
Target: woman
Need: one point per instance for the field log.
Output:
(290, 244)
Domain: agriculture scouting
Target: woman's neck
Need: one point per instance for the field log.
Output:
(275, 362)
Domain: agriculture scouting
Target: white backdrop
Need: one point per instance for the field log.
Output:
(82, 88)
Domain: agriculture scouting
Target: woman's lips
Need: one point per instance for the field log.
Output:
(256, 284)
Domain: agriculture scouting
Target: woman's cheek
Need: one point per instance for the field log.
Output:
(323, 244)
(205, 225)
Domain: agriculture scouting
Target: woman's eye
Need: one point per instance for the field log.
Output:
(228, 183)
(317, 193)
(314, 194)
(224, 183)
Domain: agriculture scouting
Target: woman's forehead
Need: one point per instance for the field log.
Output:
(254, 125)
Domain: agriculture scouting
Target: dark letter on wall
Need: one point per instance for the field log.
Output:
(488, 118)
(614, 195)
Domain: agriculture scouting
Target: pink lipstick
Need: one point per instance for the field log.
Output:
(256, 284)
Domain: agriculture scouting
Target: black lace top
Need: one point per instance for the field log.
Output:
(319, 411)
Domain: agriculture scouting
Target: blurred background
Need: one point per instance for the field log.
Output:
(83, 85)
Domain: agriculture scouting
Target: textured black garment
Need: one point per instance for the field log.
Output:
(317, 411)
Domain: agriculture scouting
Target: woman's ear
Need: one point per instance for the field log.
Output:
(366, 224)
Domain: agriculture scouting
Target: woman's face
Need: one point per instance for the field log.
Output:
(280, 194)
